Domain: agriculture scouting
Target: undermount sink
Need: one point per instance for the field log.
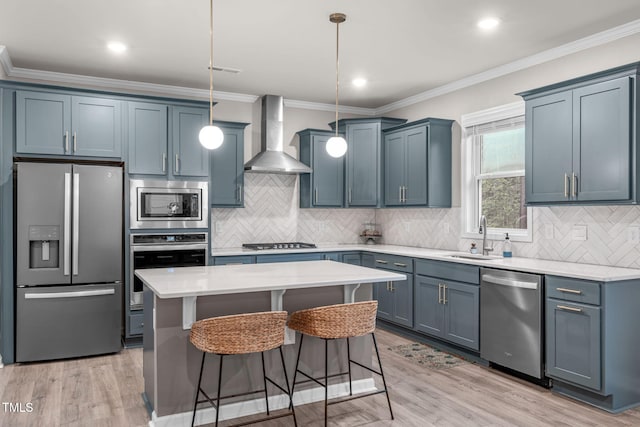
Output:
(475, 256)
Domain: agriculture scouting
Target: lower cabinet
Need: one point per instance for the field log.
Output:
(235, 259)
(395, 299)
(313, 256)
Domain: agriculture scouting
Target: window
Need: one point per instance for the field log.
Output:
(493, 173)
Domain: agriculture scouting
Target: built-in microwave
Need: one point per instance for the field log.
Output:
(168, 204)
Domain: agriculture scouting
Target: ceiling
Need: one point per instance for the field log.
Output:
(287, 47)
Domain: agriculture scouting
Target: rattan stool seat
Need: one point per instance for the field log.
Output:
(336, 321)
(240, 333)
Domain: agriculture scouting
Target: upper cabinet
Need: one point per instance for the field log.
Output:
(580, 143)
(417, 164)
(324, 187)
(189, 158)
(59, 124)
(226, 186)
(152, 134)
(363, 187)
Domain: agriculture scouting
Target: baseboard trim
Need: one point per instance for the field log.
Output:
(257, 406)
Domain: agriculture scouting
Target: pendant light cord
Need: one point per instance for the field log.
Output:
(337, 70)
(211, 64)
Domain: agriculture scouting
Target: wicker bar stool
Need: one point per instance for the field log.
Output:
(335, 322)
(241, 334)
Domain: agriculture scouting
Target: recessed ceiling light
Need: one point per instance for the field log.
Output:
(117, 47)
(359, 82)
(488, 23)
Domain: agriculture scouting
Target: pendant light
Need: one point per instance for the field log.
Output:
(337, 145)
(211, 136)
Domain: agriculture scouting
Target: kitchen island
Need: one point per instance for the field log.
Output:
(175, 297)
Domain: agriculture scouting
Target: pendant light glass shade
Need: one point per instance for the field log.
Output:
(210, 136)
(337, 145)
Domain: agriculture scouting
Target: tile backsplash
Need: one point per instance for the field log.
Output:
(271, 214)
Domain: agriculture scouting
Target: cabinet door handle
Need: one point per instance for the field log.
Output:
(400, 194)
(75, 139)
(391, 287)
(404, 194)
(66, 141)
(164, 162)
(349, 195)
(239, 198)
(399, 264)
(388, 285)
(566, 186)
(564, 307)
(381, 261)
(315, 196)
(439, 293)
(569, 291)
(177, 163)
(574, 185)
(444, 294)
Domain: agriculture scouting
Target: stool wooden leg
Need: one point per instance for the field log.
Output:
(384, 382)
(219, 386)
(295, 373)
(264, 378)
(326, 379)
(195, 404)
(286, 380)
(349, 367)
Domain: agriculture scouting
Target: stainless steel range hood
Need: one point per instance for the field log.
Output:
(272, 158)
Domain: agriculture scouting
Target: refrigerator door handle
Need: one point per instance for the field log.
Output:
(76, 221)
(66, 258)
(77, 294)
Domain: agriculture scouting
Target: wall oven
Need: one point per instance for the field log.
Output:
(163, 251)
(168, 204)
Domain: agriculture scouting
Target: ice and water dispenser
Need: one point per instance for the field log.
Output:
(44, 244)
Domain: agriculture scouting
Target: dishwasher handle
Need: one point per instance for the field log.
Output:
(488, 278)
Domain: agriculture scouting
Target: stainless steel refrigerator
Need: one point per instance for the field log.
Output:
(68, 260)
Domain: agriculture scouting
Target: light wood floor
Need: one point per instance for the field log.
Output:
(105, 391)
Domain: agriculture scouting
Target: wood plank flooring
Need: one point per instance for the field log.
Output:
(105, 391)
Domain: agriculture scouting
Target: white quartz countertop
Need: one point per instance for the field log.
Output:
(231, 279)
(601, 273)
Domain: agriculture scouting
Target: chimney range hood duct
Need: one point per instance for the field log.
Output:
(272, 158)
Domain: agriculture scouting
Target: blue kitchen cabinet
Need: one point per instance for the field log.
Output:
(445, 307)
(352, 258)
(417, 164)
(189, 158)
(579, 143)
(324, 187)
(226, 177)
(312, 256)
(55, 123)
(147, 138)
(363, 180)
(395, 299)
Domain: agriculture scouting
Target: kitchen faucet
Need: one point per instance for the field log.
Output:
(483, 230)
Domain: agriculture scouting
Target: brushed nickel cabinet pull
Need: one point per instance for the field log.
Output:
(564, 307)
(239, 189)
(400, 194)
(569, 291)
(444, 294)
(75, 145)
(177, 163)
(439, 293)
(349, 195)
(381, 261)
(66, 141)
(164, 162)
(574, 185)
(391, 286)
(566, 186)
(315, 195)
(388, 285)
(399, 264)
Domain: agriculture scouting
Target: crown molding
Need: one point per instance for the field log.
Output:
(584, 43)
(318, 106)
(5, 60)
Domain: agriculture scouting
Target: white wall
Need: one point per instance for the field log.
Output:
(608, 226)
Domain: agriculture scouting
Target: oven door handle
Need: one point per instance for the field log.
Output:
(167, 248)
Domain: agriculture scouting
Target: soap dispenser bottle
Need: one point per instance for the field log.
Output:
(506, 250)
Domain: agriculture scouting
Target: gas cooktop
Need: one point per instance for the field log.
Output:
(288, 245)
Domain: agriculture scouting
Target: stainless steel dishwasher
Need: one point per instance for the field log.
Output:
(511, 320)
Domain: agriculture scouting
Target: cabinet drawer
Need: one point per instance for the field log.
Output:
(577, 290)
(136, 324)
(448, 270)
(237, 259)
(393, 262)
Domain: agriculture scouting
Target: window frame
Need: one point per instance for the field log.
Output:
(471, 175)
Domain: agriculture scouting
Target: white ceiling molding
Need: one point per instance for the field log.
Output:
(306, 105)
(5, 60)
(501, 112)
(588, 42)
